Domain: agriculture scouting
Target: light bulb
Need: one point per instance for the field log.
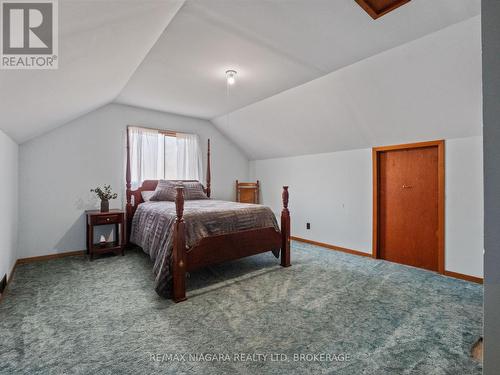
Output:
(231, 77)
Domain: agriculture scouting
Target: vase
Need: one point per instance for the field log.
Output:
(104, 206)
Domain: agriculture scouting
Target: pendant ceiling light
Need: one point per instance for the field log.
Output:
(231, 77)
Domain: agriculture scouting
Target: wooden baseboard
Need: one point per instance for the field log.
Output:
(51, 256)
(332, 247)
(457, 275)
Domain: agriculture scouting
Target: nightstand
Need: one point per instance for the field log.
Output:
(95, 218)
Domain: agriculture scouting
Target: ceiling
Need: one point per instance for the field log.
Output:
(274, 45)
(171, 55)
(101, 43)
(427, 89)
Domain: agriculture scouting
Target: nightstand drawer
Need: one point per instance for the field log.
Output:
(106, 219)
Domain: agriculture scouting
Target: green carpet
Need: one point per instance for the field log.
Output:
(358, 315)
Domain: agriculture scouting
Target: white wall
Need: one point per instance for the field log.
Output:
(333, 192)
(58, 169)
(9, 194)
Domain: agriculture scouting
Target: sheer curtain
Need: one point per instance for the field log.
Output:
(145, 160)
(156, 155)
(189, 157)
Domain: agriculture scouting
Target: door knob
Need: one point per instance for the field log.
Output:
(407, 186)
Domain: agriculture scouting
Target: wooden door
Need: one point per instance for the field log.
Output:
(409, 203)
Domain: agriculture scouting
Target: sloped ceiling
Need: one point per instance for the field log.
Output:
(171, 55)
(274, 45)
(101, 43)
(424, 90)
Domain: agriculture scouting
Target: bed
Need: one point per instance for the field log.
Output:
(186, 235)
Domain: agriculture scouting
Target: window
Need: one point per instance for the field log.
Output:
(169, 165)
(159, 154)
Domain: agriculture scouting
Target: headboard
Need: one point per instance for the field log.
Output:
(134, 197)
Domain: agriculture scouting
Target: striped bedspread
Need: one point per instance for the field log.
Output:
(153, 223)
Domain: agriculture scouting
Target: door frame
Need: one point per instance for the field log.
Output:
(441, 194)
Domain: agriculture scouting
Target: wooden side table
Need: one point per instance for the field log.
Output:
(95, 218)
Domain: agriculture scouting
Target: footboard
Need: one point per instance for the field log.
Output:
(226, 247)
(222, 248)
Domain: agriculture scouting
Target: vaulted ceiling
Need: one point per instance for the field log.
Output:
(171, 55)
(427, 89)
(101, 44)
(274, 46)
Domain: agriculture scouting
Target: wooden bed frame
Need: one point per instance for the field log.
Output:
(213, 249)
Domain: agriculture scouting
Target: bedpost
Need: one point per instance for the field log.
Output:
(128, 194)
(285, 230)
(179, 252)
(208, 169)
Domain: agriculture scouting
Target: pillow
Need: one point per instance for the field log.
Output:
(165, 191)
(194, 190)
(146, 195)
